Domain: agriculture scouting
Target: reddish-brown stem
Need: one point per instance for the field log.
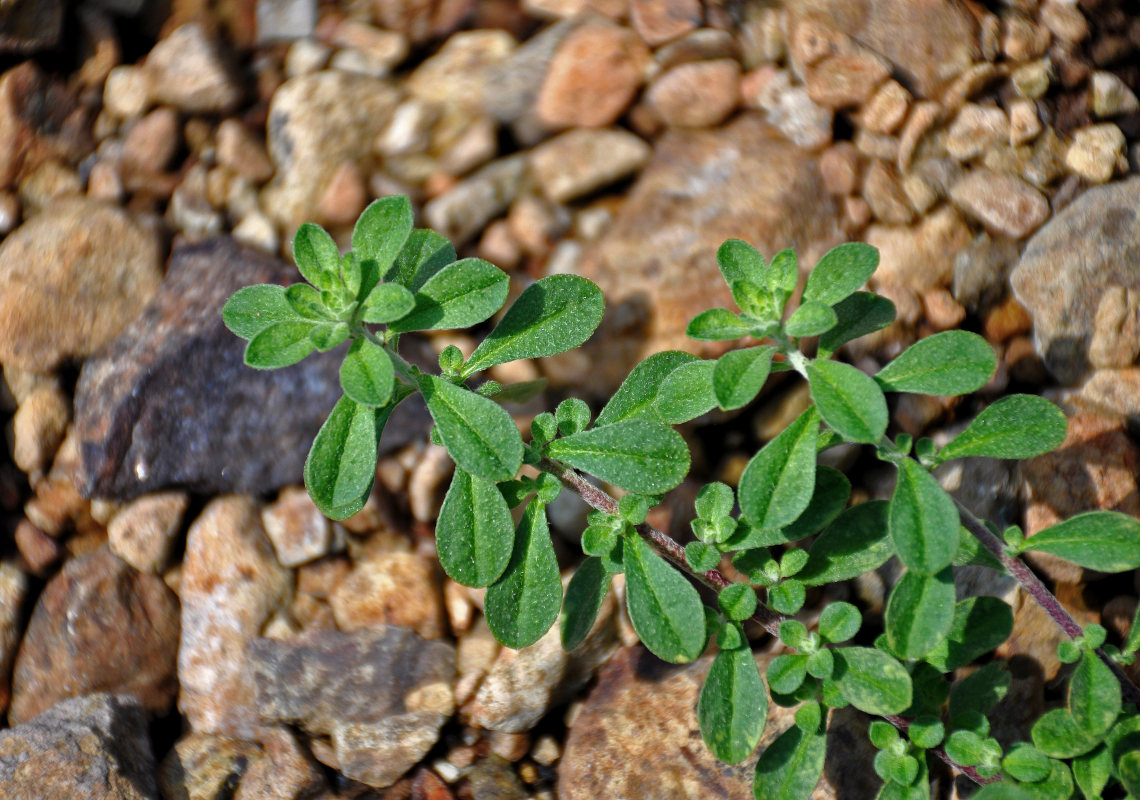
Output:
(1046, 599)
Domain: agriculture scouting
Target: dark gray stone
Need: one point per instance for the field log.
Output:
(171, 403)
(94, 747)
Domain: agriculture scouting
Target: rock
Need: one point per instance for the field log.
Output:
(928, 41)
(920, 257)
(700, 188)
(394, 588)
(241, 151)
(839, 166)
(609, 754)
(1095, 151)
(171, 403)
(13, 593)
(1116, 329)
(39, 551)
(981, 271)
(231, 585)
(791, 110)
(94, 747)
(975, 130)
(285, 20)
(698, 94)
(306, 56)
(316, 122)
(523, 685)
(144, 531)
(34, 123)
(419, 21)
(463, 210)
(846, 79)
(1068, 266)
(299, 531)
(127, 91)
(1116, 391)
(882, 192)
(1094, 468)
(152, 142)
(187, 70)
(1111, 96)
(79, 260)
(30, 26)
(493, 778)
(458, 73)
(1024, 124)
(582, 160)
(1035, 635)
(886, 109)
(1003, 203)
(1032, 80)
(660, 21)
(381, 695)
(344, 197)
(38, 427)
(98, 626)
(285, 769)
(592, 77)
(512, 86)
(201, 765)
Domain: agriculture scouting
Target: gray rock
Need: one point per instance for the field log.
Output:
(285, 20)
(1066, 268)
(463, 210)
(512, 85)
(94, 747)
(381, 695)
(171, 403)
(582, 160)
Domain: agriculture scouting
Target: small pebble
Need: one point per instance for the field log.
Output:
(1095, 151)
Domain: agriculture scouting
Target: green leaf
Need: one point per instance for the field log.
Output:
(634, 398)
(686, 393)
(783, 275)
(1092, 771)
(523, 604)
(737, 601)
(1002, 791)
(366, 374)
(918, 787)
(327, 335)
(857, 542)
(839, 622)
(947, 363)
(480, 436)
(1107, 541)
(980, 624)
(788, 596)
(714, 500)
(790, 767)
(1018, 426)
(281, 344)
(858, 315)
(553, 315)
(572, 415)
(739, 260)
(849, 401)
(811, 319)
(923, 520)
(872, 681)
(821, 664)
(474, 534)
(919, 612)
(717, 325)
(341, 465)
(739, 375)
(583, 601)
(1094, 695)
(636, 455)
(664, 607)
(1128, 770)
(786, 672)
(520, 392)
(460, 295)
(251, 309)
(387, 302)
(733, 706)
(828, 499)
(424, 254)
(306, 302)
(840, 272)
(927, 732)
(701, 557)
(1132, 643)
(1026, 763)
(316, 256)
(979, 691)
(1057, 734)
(778, 482)
(382, 230)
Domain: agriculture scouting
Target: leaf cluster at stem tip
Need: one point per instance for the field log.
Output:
(786, 526)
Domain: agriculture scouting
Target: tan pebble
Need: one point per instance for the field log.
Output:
(257, 230)
(546, 750)
(498, 246)
(151, 143)
(1024, 124)
(460, 611)
(846, 79)
(1022, 39)
(885, 111)
(462, 756)
(9, 212)
(920, 191)
(392, 475)
(698, 94)
(989, 36)
(1095, 150)
(839, 168)
(877, 145)
(39, 550)
(1032, 79)
(345, 195)
(857, 213)
(1111, 96)
(50, 181)
(1116, 329)
(922, 118)
(144, 531)
(39, 425)
(975, 129)
(1006, 320)
(127, 91)
(660, 21)
(104, 183)
(1064, 20)
(968, 84)
(753, 83)
(240, 150)
(511, 746)
(882, 193)
(943, 312)
(1022, 361)
(392, 589)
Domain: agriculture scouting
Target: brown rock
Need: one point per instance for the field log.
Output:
(767, 191)
(839, 167)
(144, 531)
(703, 44)
(39, 551)
(460, 71)
(920, 257)
(886, 109)
(231, 585)
(1003, 203)
(38, 427)
(975, 130)
(846, 79)
(637, 736)
(1095, 151)
(152, 142)
(284, 769)
(30, 26)
(1116, 329)
(419, 21)
(659, 21)
(299, 531)
(81, 261)
(402, 589)
(882, 192)
(696, 95)
(1116, 391)
(1035, 635)
(98, 626)
(34, 126)
(1094, 468)
(239, 150)
(201, 765)
(579, 161)
(13, 594)
(344, 197)
(592, 77)
(187, 70)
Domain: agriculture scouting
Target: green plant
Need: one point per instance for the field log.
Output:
(396, 280)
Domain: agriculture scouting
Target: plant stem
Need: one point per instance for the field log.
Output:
(659, 540)
(1046, 599)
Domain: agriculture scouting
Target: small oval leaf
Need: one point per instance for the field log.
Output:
(739, 375)
(686, 393)
(316, 255)
(1094, 695)
(424, 254)
(920, 612)
(871, 680)
(387, 302)
(857, 315)
(980, 624)
(281, 344)
(923, 520)
(840, 272)
(733, 706)
(583, 601)
(382, 229)
(811, 319)
(366, 374)
(1107, 541)
(1018, 426)
(857, 542)
(636, 455)
(790, 767)
(480, 436)
(665, 609)
(474, 534)
(523, 604)
(634, 398)
(462, 294)
(341, 465)
(947, 363)
(850, 402)
(552, 315)
(717, 325)
(251, 309)
(778, 482)
(739, 260)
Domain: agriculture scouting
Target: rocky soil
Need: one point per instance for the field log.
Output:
(176, 618)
